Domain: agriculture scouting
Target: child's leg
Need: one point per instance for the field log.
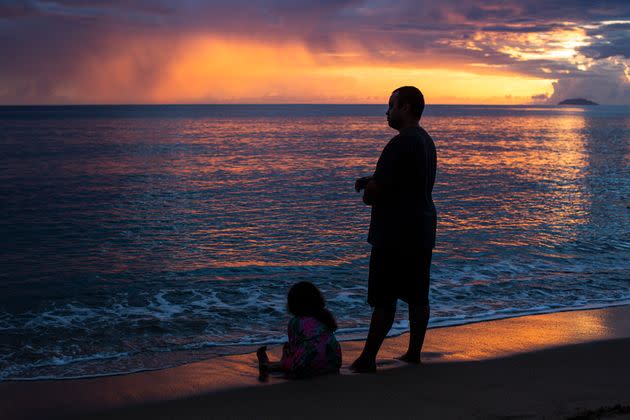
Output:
(263, 364)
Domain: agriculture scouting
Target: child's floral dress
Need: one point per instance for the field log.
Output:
(312, 349)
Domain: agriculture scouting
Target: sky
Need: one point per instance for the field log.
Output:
(313, 51)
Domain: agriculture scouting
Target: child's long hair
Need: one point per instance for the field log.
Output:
(305, 299)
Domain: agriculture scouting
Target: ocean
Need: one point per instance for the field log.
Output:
(143, 237)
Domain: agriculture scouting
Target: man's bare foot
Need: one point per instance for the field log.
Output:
(363, 366)
(263, 364)
(407, 358)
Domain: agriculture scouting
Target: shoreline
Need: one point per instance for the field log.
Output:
(472, 343)
(250, 348)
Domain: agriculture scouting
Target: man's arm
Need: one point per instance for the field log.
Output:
(385, 176)
(374, 191)
(361, 183)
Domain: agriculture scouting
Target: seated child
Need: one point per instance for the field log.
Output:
(312, 348)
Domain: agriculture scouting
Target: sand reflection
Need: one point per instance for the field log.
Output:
(509, 336)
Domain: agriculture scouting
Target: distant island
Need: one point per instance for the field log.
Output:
(577, 101)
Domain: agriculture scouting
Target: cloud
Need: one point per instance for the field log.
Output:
(609, 40)
(528, 28)
(72, 50)
(604, 91)
(608, 82)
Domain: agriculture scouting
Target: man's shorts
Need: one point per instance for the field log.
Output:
(399, 274)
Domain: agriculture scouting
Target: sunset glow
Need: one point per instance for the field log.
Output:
(233, 72)
(491, 53)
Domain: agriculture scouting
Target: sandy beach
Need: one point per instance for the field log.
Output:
(558, 365)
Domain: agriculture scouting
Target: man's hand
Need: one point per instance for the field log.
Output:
(361, 183)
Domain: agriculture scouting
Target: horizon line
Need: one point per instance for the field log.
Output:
(278, 104)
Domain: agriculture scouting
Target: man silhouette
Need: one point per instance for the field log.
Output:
(402, 228)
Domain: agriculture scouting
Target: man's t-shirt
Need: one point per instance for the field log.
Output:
(404, 215)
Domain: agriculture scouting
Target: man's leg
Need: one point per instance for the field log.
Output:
(419, 311)
(418, 321)
(381, 323)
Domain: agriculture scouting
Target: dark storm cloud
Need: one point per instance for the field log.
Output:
(72, 8)
(348, 15)
(15, 9)
(620, 47)
(521, 29)
(614, 40)
(43, 43)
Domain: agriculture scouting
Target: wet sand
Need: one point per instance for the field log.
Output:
(552, 366)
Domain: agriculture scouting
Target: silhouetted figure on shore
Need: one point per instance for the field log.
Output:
(402, 228)
(312, 348)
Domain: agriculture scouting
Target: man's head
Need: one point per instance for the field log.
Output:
(405, 107)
